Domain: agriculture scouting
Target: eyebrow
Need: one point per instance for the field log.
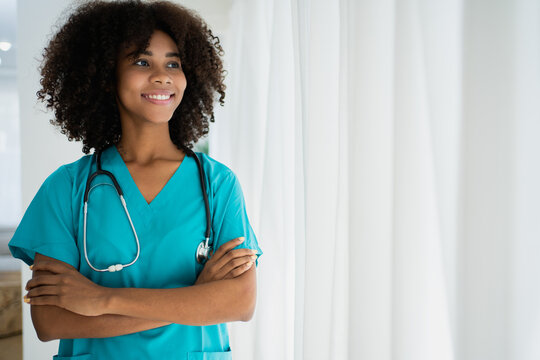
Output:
(149, 53)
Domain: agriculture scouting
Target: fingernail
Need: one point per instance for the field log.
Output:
(26, 299)
(254, 251)
(254, 257)
(241, 239)
(248, 265)
(31, 267)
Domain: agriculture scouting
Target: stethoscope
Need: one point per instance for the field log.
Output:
(204, 248)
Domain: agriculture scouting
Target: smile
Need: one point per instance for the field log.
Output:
(161, 99)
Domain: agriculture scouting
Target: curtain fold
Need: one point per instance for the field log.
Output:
(525, 291)
(255, 136)
(326, 209)
(420, 313)
(371, 93)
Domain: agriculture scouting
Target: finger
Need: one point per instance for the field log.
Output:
(238, 271)
(234, 263)
(43, 300)
(223, 249)
(42, 290)
(231, 256)
(55, 267)
(235, 253)
(41, 280)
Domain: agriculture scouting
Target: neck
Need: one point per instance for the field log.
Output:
(145, 146)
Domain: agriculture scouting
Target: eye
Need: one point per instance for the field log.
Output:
(174, 65)
(141, 62)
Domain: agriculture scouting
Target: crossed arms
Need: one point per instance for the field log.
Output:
(67, 305)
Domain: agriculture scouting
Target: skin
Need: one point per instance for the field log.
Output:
(65, 304)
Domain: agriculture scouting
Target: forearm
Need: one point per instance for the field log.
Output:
(207, 304)
(52, 323)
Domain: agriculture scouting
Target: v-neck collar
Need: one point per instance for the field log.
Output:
(129, 187)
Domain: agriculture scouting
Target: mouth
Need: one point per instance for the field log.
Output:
(160, 99)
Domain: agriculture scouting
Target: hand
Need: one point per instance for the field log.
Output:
(59, 284)
(226, 263)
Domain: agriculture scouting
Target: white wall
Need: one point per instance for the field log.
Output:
(42, 148)
(9, 151)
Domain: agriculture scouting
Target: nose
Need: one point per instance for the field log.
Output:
(160, 76)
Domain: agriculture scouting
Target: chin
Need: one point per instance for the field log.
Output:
(159, 119)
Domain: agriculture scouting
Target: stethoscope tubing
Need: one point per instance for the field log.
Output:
(204, 248)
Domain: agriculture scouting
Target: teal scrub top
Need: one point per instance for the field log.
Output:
(169, 229)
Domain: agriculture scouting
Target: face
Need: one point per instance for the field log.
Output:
(151, 85)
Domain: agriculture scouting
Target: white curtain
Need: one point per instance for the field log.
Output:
(388, 151)
(255, 137)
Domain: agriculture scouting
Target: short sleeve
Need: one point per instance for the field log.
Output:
(230, 218)
(47, 225)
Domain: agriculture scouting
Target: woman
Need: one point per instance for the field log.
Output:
(136, 82)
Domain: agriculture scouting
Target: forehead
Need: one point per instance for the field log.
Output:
(159, 39)
(159, 44)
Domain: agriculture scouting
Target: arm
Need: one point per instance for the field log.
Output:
(209, 303)
(56, 322)
(52, 322)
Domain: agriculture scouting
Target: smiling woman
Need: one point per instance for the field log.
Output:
(139, 91)
(117, 38)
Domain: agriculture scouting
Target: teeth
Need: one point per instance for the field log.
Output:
(158, 97)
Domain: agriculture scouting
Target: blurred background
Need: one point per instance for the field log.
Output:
(388, 151)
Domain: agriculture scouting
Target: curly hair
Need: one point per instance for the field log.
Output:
(78, 72)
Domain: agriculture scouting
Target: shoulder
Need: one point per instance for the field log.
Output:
(76, 167)
(215, 169)
(70, 173)
(218, 174)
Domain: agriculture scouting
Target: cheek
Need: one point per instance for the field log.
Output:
(182, 83)
(127, 90)
(121, 94)
(120, 87)
(129, 81)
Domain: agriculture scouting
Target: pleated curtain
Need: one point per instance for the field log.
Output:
(388, 151)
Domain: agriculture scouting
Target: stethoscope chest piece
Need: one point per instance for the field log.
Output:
(203, 250)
